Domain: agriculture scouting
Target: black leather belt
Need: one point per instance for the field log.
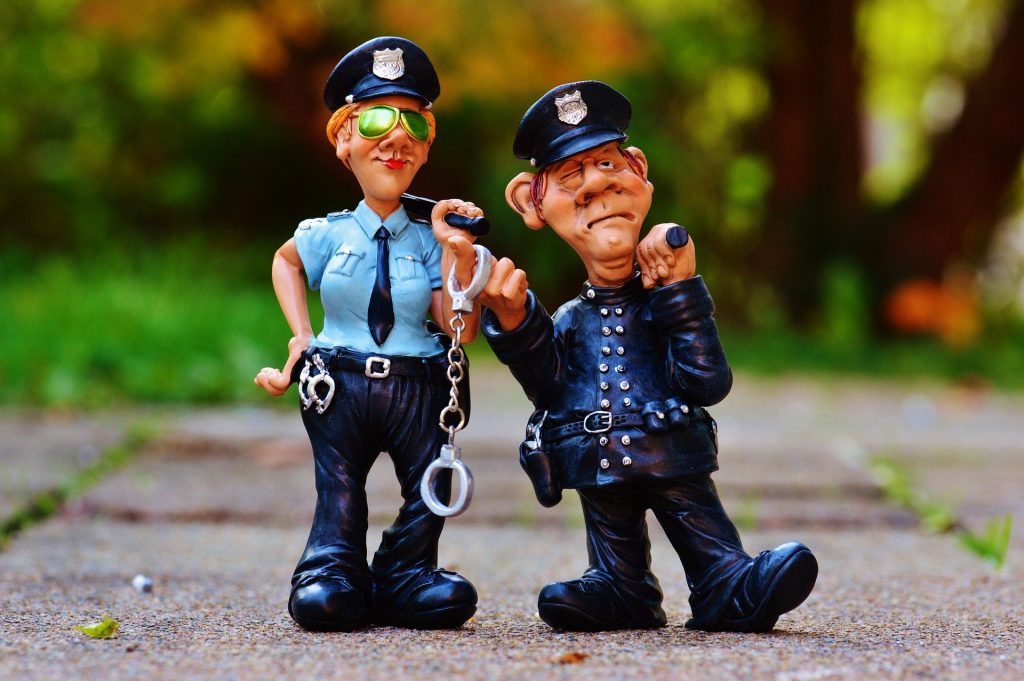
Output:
(594, 422)
(381, 366)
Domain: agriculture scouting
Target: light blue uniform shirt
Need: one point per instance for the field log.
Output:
(339, 255)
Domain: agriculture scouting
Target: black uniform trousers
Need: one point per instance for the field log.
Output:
(397, 414)
(690, 512)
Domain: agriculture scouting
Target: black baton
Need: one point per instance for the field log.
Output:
(420, 207)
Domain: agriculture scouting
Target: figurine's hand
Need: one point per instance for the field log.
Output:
(442, 230)
(660, 264)
(505, 294)
(276, 381)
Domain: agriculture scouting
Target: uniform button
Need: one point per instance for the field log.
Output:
(606, 330)
(684, 409)
(626, 440)
(660, 414)
(620, 368)
(627, 462)
(604, 311)
(605, 385)
(606, 351)
(620, 330)
(626, 402)
(603, 441)
(603, 368)
(605, 404)
(620, 351)
(590, 294)
(624, 385)
(604, 463)
(618, 311)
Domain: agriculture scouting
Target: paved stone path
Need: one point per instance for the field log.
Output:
(216, 512)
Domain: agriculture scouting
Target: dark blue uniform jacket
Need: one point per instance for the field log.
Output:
(647, 360)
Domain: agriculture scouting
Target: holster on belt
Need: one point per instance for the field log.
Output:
(537, 464)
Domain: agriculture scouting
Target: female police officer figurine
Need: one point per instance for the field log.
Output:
(375, 378)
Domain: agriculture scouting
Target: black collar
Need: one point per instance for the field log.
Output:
(613, 295)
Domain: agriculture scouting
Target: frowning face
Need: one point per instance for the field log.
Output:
(384, 167)
(597, 203)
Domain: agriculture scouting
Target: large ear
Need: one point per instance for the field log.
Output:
(640, 158)
(517, 195)
(343, 146)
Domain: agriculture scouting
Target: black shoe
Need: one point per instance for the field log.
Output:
(435, 599)
(328, 603)
(777, 582)
(585, 604)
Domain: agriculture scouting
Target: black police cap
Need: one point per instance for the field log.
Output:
(569, 119)
(379, 67)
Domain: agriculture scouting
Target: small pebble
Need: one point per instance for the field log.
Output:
(142, 584)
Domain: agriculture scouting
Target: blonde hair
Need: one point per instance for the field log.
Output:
(344, 113)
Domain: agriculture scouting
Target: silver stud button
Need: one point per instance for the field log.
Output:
(605, 404)
(660, 414)
(590, 293)
(606, 331)
(627, 462)
(604, 463)
(603, 441)
(626, 440)
(620, 368)
(620, 351)
(618, 311)
(604, 311)
(626, 402)
(685, 409)
(624, 385)
(605, 385)
(603, 368)
(606, 351)
(620, 330)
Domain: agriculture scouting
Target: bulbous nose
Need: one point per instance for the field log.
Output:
(593, 183)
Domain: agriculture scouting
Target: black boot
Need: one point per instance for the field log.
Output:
(429, 598)
(776, 582)
(327, 603)
(587, 604)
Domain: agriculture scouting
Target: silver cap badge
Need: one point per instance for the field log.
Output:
(571, 108)
(388, 64)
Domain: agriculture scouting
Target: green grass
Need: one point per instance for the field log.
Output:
(182, 325)
(46, 503)
(897, 484)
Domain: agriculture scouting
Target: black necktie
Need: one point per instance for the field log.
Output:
(381, 314)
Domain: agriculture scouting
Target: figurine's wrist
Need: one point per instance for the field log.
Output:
(510, 320)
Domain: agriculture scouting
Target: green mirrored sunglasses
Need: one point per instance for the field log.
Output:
(381, 119)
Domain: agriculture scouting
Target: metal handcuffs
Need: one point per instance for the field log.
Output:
(307, 386)
(451, 454)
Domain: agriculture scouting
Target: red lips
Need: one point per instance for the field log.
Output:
(393, 163)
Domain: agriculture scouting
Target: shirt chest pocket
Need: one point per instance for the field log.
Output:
(344, 261)
(409, 267)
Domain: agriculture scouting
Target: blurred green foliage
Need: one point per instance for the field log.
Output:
(156, 153)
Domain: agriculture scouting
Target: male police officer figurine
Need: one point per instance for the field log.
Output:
(375, 378)
(620, 377)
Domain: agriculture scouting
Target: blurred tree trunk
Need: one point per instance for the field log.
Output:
(813, 140)
(813, 137)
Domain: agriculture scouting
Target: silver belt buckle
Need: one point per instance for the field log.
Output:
(384, 372)
(604, 422)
